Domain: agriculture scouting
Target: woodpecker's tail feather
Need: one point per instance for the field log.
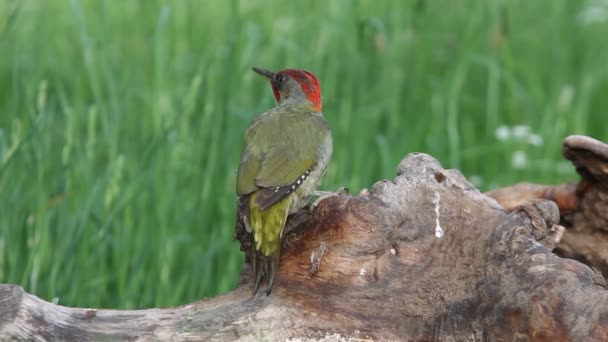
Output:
(264, 267)
(266, 226)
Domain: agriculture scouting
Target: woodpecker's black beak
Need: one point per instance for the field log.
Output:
(266, 73)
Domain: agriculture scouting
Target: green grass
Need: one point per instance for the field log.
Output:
(121, 122)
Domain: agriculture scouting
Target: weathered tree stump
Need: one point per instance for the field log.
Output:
(423, 257)
(583, 205)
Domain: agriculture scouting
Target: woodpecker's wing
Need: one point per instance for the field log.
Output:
(281, 147)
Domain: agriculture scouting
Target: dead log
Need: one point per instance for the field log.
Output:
(583, 205)
(423, 257)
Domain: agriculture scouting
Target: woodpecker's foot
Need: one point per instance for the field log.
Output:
(327, 194)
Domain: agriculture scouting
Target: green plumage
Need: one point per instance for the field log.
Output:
(285, 153)
(266, 225)
(280, 145)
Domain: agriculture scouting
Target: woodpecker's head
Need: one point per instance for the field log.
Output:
(294, 86)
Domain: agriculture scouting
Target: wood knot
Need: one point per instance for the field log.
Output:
(439, 177)
(544, 218)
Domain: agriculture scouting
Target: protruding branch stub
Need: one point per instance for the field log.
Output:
(590, 157)
(586, 238)
(513, 197)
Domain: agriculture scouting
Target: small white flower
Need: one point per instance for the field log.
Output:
(519, 160)
(595, 12)
(521, 131)
(535, 139)
(503, 133)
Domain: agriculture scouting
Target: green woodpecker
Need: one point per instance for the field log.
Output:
(286, 153)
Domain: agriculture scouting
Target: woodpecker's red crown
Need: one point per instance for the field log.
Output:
(307, 82)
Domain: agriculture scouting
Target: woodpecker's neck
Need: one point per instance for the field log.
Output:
(298, 102)
(297, 107)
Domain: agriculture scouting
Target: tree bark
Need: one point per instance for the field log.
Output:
(423, 257)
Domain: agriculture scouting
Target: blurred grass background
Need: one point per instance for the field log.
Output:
(121, 122)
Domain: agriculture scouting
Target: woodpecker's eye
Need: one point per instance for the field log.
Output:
(280, 79)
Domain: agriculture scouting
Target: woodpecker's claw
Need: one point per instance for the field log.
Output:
(343, 191)
(327, 194)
